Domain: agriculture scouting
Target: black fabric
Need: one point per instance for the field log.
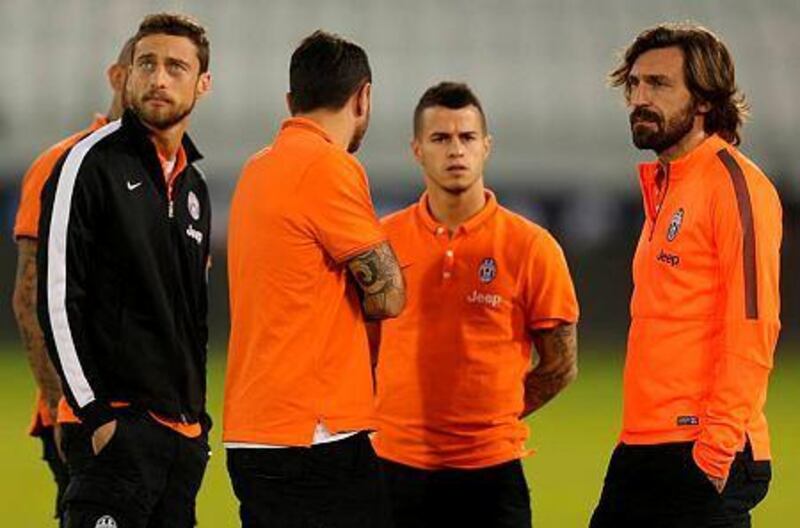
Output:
(660, 486)
(147, 476)
(57, 467)
(136, 264)
(493, 497)
(334, 485)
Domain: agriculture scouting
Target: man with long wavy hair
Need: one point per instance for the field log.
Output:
(694, 448)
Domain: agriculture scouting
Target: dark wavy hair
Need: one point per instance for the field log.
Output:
(177, 25)
(708, 68)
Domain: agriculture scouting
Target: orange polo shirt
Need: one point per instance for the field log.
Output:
(298, 351)
(451, 366)
(705, 306)
(26, 225)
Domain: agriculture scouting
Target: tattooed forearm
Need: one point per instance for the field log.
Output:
(378, 275)
(30, 331)
(557, 367)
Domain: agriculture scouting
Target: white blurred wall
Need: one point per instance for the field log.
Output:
(539, 67)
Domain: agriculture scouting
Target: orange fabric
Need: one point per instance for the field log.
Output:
(27, 225)
(190, 430)
(27, 221)
(451, 367)
(169, 176)
(705, 307)
(298, 351)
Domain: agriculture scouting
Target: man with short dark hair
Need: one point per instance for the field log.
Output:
(26, 233)
(308, 263)
(486, 288)
(694, 449)
(122, 293)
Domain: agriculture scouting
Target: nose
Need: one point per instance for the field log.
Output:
(158, 79)
(456, 148)
(639, 96)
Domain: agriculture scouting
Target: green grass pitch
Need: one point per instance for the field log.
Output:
(573, 438)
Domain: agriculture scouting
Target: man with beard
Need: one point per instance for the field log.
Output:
(487, 289)
(308, 263)
(122, 293)
(694, 449)
(26, 233)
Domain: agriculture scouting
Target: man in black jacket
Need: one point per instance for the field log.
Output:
(122, 293)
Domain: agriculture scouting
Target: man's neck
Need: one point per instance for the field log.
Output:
(686, 144)
(335, 123)
(168, 141)
(453, 209)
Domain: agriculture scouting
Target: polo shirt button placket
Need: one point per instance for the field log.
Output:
(449, 260)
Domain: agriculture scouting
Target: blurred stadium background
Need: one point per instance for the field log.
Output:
(562, 157)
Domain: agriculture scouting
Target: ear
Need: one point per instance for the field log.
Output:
(488, 142)
(289, 102)
(203, 84)
(117, 74)
(703, 108)
(416, 149)
(363, 100)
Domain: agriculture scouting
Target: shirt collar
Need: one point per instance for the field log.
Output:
(472, 224)
(687, 163)
(303, 123)
(141, 134)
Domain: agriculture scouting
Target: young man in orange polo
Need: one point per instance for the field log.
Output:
(308, 264)
(694, 449)
(26, 233)
(454, 378)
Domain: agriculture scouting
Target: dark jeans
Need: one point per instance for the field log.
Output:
(334, 485)
(147, 476)
(57, 467)
(660, 486)
(492, 497)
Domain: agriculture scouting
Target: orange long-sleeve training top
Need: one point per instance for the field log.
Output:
(705, 306)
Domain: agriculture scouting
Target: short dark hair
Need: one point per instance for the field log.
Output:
(325, 71)
(453, 95)
(708, 68)
(178, 25)
(125, 56)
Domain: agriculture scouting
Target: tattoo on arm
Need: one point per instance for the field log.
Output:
(557, 367)
(31, 333)
(378, 274)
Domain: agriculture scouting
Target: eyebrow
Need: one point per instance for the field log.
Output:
(172, 60)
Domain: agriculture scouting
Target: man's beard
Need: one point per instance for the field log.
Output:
(160, 120)
(663, 137)
(358, 137)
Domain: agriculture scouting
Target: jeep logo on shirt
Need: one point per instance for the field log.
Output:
(675, 225)
(490, 299)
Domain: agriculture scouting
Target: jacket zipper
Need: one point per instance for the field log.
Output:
(660, 203)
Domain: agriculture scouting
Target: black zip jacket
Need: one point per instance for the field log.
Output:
(123, 276)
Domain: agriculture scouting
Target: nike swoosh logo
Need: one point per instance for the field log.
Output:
(132, 186)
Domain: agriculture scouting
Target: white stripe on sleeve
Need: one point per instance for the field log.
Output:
(57, 266)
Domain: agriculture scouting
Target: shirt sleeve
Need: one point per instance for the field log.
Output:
(747, 234)
(547, 288)
(340, 208)
(26, 223)
(71, 214)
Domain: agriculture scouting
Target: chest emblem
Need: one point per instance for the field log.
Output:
(487, 270)
(193, 205)
(675, 225)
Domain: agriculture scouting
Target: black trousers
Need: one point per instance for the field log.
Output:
(57, 467)
(147, 476)
(660, 486)
(334, 485)
(492, 497)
